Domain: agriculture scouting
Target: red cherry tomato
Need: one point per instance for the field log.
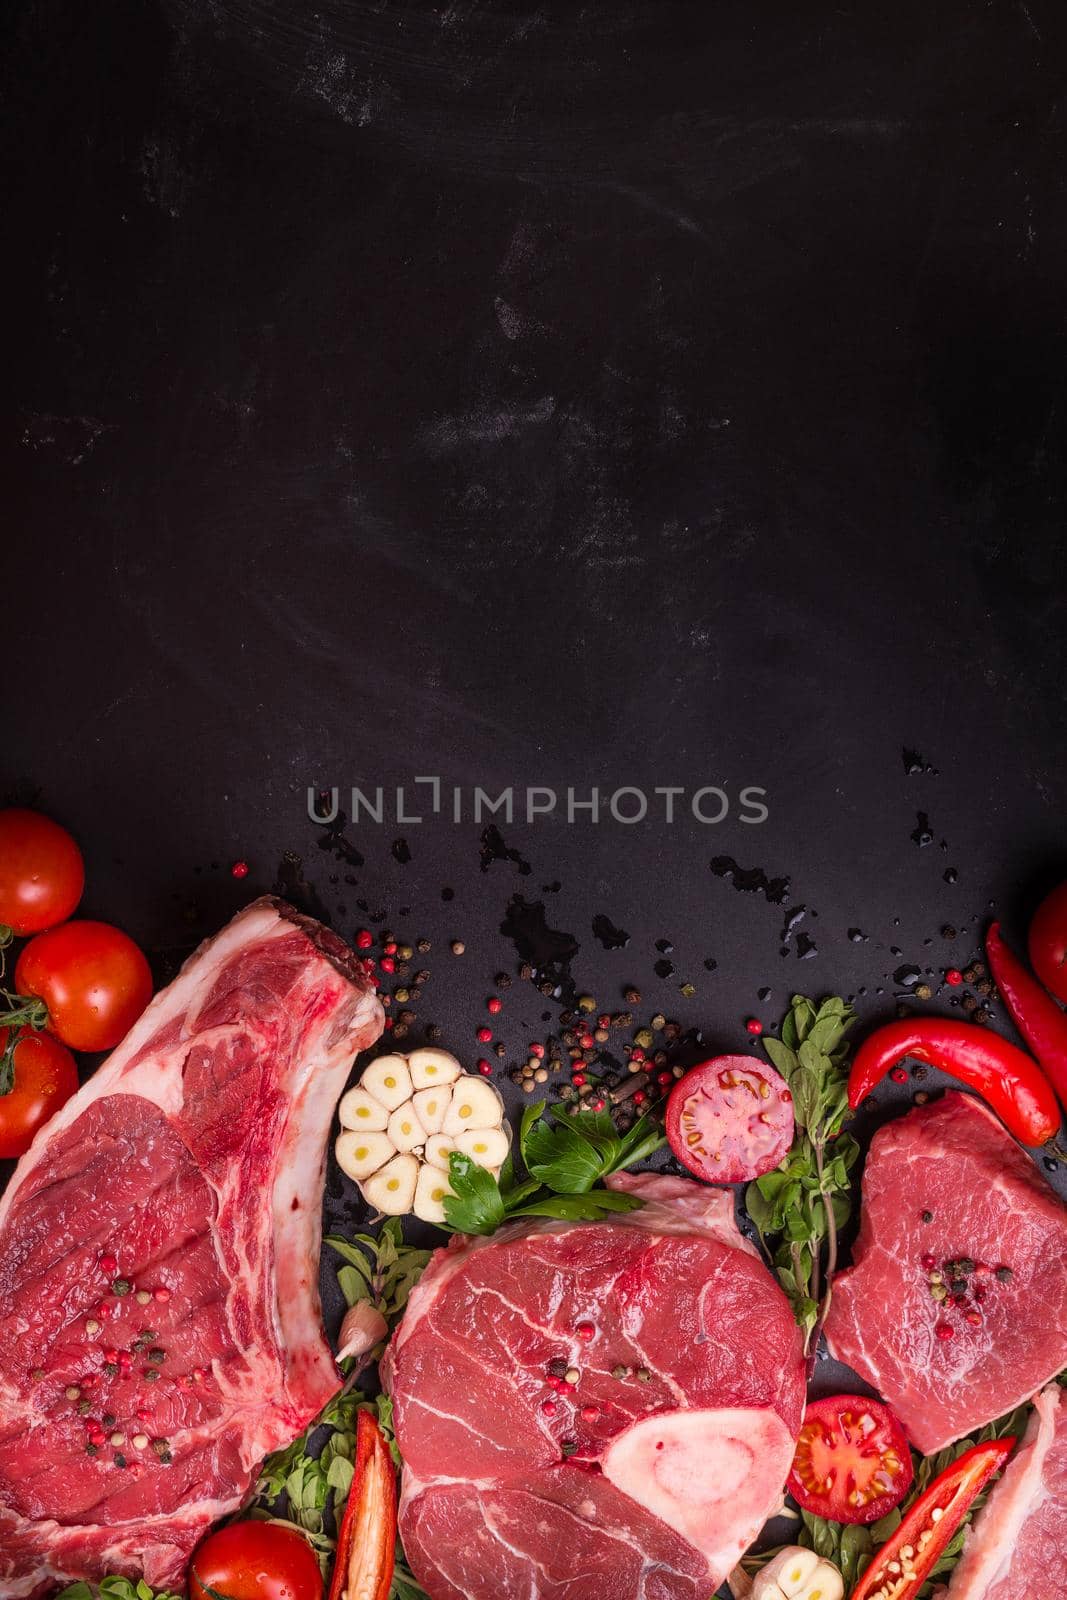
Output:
(852, 1462)
(93, 979)
(43, 1077)
(1048, 942)
(255, 1561)
(41, 872)
(730, 1119)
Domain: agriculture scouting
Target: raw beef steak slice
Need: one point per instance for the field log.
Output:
(646, 1478)
(194, 1157)
(996, 1231)
(1017, 1548)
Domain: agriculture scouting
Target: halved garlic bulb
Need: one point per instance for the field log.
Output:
(798, 1574)
(397, 1149)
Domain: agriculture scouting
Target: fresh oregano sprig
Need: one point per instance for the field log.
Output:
(799, 1208)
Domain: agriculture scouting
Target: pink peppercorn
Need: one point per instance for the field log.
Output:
(929, 1261)
(162, 1294)
(754, 1026)
(899, 1075)
(108, 1265)
(104, 1310)
(954, 976)
(664, 1078)
(390, 948)
(585, 1331)
(945, 1330)
(590, 1413)
(578, 1079)
(548, 1407)
(603, 1021)
(494, 1005)
(364, 939)
(586, 1041)
(599, 1105)
(239, 869)
(537, 1050)
(974, 1318)
(639, 1097)
(637, 1054)
(387, 964)
(390, 1023)
(484, 1035)
(485, 1068)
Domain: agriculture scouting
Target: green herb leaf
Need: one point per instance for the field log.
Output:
(587, 1207)
(476, 1204)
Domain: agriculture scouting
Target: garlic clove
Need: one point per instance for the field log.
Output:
(430, 1192)
(405, 1129)
(360, 1153)
(391, 1189)
(430, 1107)
(487, 1146)
(358, 1109)
(388, 1080)
(430, 1068)
(474, 1104)
(437, 1150)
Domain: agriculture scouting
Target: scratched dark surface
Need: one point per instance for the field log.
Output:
(627, 394)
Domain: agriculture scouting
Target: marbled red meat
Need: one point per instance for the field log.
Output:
(1017, 1547)
(194, 1158)
(645, 1484)
(949, 1367)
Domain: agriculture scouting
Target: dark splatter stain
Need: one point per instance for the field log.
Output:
(665, 947)
(763, 994)
(291, 884)
(710, 963)
(922, 833)
(549, 951)
(806, 947)
(551, 888)
(448, 894)
(751, 880)
(914, 765)
(907, 977)
(950, 875)
(611, 937)
(857, 936)
(333, 839)
(664, 968)
(493, 849)
(401, 851)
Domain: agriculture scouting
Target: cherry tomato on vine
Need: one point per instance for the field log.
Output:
(93, 979)
(37, 1076)
(41, 872)
(852, 1461)
(255, 1561)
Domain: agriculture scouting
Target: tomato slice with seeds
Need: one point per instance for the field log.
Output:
(852, 1462)
(730, 1119)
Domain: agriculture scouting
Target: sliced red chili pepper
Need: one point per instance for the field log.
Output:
(906, 1560)
(1036, 1015)
(366, 1543)
(1005, 1076)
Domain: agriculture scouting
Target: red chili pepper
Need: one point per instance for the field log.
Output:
(1036, 1015)
(1012, 1084)
(366, 1544)
(952, 1494)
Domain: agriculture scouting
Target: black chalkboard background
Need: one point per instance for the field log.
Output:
(617, 395)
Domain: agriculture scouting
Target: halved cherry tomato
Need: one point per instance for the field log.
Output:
(93, 979)
(852, 1462)
(37, 1076)
(1048, 942)
(41, 872)
(730, 1119)
(905, 1561)
(255, 1561)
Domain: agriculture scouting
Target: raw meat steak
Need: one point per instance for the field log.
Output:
(1017, 1548)
(646, 1478)
(947, 1366)
(194, 1158)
